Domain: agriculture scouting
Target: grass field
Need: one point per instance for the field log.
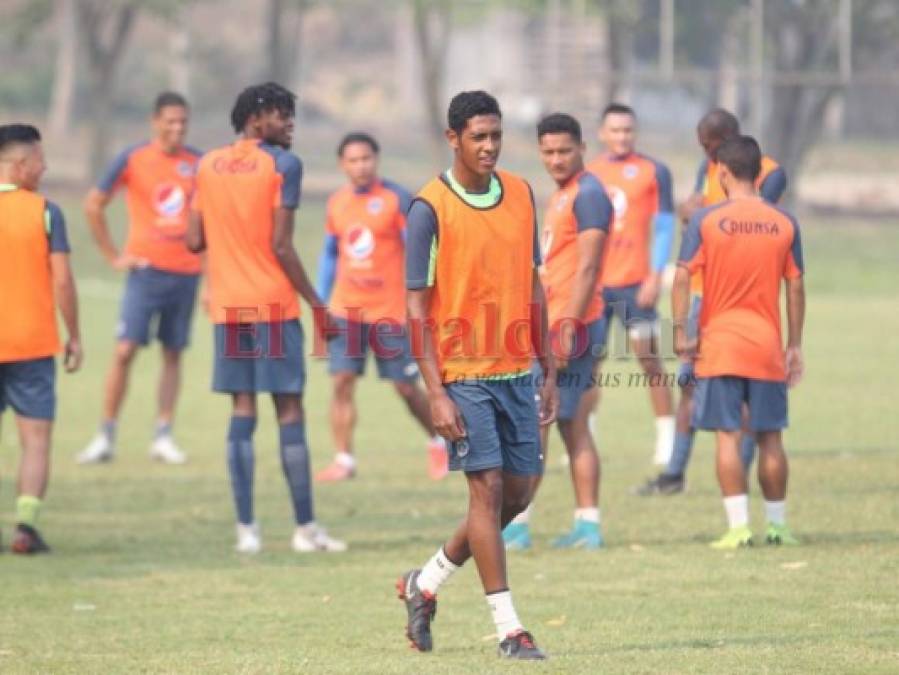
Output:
(143, 577)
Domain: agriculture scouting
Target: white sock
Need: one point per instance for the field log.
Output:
(524, 517)
(737, 509)
(436, 572)
(345, 459)
(504, 616)
(590, 514)
(776, 512)
(665, 429)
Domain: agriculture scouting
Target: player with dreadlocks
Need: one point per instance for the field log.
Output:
(243, 217)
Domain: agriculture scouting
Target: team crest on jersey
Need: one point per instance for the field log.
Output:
(169, 200)
(630, 171)
(360, 242)
(185, 169)
(619, 202)
(375, 205)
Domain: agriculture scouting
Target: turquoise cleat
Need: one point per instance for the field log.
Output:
(584, 535)
(517, 537)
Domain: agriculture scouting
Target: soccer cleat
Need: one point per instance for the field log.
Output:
(100, 449)
(735, 537)
(248, 539)
(164, 450)
(28, 541)
(334, 473)
(517, 537)
(421, 607)
(312, 537)
(438, 459)
(780, 535)
(663, 484)
(584, 534)
(520, 645)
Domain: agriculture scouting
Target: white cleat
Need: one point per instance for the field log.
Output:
(163, 449)
(312, 537)
(248, 539)
(97, 451)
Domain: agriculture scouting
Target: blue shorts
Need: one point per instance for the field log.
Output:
(29, 387)
(719, 403)
(686, 374)
(259, 357)
(167, 298)
(579, 375)
(348, 349)
(502, 425)
(621, 301)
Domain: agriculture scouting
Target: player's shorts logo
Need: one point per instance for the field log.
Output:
(619, 202)
(630, 171)
(375, 205)
(169, 200)
(360, 242)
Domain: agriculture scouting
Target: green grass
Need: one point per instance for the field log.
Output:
(143, 578)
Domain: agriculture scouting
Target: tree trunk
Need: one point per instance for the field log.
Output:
(432, 30)
(179, 53)
(274, 17)
(103, 60)
(59, 118)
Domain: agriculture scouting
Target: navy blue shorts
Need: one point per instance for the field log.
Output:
(348, 349)
(29, 387)
(259, 357)
(686, 374)
(719, 403)
(153, 295)
(621, 301)
(502, 423)
(580, 374)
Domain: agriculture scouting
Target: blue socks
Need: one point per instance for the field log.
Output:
(295, 462)
(747, 450)
(241, 464)
(680, 456)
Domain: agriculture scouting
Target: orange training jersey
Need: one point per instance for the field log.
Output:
(639, 188)
(479, 254)
(159, 186)
(743, 248)
(369, 227)
(238, 189)
(30, 230)
(579, 205)
(771, 183)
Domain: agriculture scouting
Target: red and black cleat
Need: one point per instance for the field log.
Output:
(421, 607)
(520, 645)
(28, 541)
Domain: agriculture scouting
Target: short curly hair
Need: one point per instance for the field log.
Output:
(468, 104)
(260, 98)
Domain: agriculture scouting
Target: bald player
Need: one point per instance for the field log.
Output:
(744, 247)
(714, 128)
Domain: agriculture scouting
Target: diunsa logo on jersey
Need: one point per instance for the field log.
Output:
(169, 200)
(375, 205)
(561, 201)
(360, 242)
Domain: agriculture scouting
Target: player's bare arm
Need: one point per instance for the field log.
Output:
(795, 323)
(445, 415)
(67, 300)
(589, 255)
(194, 238)
(680, 305)
(549, 392)
(688, 207)
(95, 212)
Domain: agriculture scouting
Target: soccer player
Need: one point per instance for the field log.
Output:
(639, 247)
(714, 128)
(361, 273)
(743, 247)
(34, 275)
(243, 217)
(575, 228)
(477, 317)
(161, 287)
